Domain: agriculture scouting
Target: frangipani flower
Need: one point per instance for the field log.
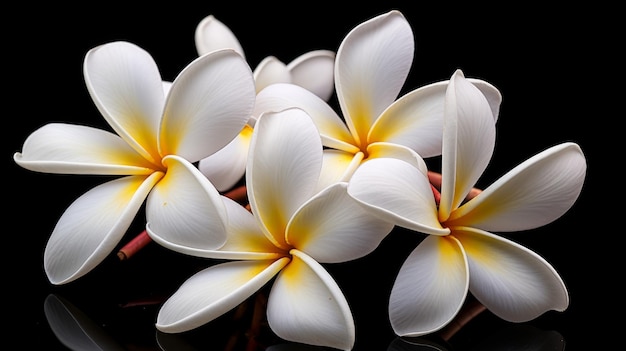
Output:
(312, 70)
(371, 66)
(289, 232)
(461, 254)
(158, 138)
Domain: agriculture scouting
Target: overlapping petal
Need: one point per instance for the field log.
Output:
(73, 149)
(208, 105)
(211, 34)
(126, 86)
(533, 194)
(468, 142)
(214, 291)
(315, 71)
(371, 67)
(513, 282)
(430, 288)
(184, 210)
(269, 71)
(227, 166)
(283, 170)
(414, 120)
(332, 227)
(93, 225)
(306, 305)
(338, 166)
(398, 192)
(332, 128)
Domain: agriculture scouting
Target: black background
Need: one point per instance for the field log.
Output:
(551, 64)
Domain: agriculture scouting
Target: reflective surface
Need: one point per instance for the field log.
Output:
(545, 101)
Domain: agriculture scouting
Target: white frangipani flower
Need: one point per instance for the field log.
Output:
(289, 232)
(159, 136)
(371, 66)
(461, 254)
(312, 70)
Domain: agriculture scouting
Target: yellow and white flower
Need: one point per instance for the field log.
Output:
(371, 67)
(290, 231)
(312, 70)
(158, 137)
(461, 254)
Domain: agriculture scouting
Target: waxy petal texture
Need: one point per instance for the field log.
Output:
(468, 142)
(430, 288)
(208, 105)
(126, 86)
(315, 71)
(513, 282)
(73, 149)
(282, 172)
(226, 167)
(93, 225)
(305, 305)
(415, 120)
(184, 210)
(269, 71)
(371, 67)
(332, 227)
(533, 194)
(333, 130)
(214, 291)
(211, 34)
(398, 192)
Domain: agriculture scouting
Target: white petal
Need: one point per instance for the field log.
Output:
(283, 168)
(372, 64)
(305, 305)
(332, 227)
(492, 94)
(391, 150)
(269, 71)
(211, 34)
(214, 291)
(74, 149)
(338, 166)
(185, 211)
(92, 226)
(430, 288)
(533, 194)
(398, 192)
(209, 103)
(468, 143)
(333, 130)
(227, 166)
(415, 120)
(126, 86)
(513, 282)
(315, 71)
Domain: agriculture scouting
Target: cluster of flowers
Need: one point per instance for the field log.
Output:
(322, 188)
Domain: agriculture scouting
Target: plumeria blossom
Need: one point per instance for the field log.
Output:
(372, 64)
(158, 138)
(461, 253)
(290, 231)
(312, 70)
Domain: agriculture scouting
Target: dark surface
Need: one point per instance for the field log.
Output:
(539, 59)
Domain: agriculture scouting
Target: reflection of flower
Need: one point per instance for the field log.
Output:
(312, 70)
(158, 138)
(511, 281)
(291, 230)
(371, 66)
